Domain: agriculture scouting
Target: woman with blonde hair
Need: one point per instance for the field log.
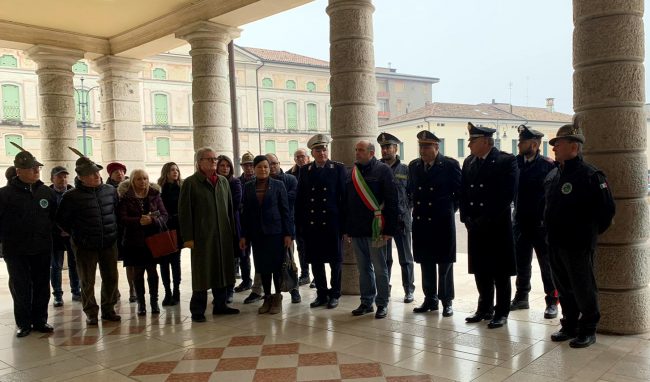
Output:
(170, 182)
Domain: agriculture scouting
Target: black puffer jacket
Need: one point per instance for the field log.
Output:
(88, 214)
(26, 218)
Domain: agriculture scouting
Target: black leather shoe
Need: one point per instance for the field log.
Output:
(92, 321)
(58, 302)
(225, 310)
(243, 286)
(142, 309)
(295, 296)
(563, 335)
(497, 322)
(583, 341)
(253, 297)
(319, 301)
(312, 284)
(303, 280)
(363, 309)
(44, 328)
(519, 304)
(198, 318)
(550, 311)
(408, 298)
(478, 317)
(382, 311)
(426, 306)
(23, 332)
(447, 311)
(111, 317)
(333, 303)
(168, 300)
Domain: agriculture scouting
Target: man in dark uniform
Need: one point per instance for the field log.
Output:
(488, 187)
(301, 158)
(528, 225)
(388, 143)
(579, 207)
(244, 262)
(434, 183)
(27, 209)
(319, 218)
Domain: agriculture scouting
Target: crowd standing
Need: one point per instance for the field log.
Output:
(559, 210)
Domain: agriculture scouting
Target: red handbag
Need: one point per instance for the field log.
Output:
(163, 243)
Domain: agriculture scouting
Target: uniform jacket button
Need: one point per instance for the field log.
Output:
(311, 222)
(324, 211)
(471, 186)
(324, 199)
(312, 211)
(313, 188)
(324, 188)
(471, 203)
(312, 199)
(429, 219)
(481, 204)
(419, 188)
(481, 185)
(430, 188)
(418, 218)
(430, 203)
(418, 203)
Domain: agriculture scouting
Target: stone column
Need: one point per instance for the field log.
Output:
(119, 86)
(210, 89)
(56, 104)
(609, 94)
(353, 93)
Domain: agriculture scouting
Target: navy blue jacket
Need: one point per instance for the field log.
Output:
(291, 185)
(529, 201)
(271, 218)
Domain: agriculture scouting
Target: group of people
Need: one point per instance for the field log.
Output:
(559, 209)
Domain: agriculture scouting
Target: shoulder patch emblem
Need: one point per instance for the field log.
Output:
(566, 188)
(43, 203)
(603, 186)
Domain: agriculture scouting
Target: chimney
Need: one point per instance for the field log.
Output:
(550, 104)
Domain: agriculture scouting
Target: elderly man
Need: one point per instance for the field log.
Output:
(27, 209)
(301, 158)
(489, 183)
(434, 185)
(579, 207)
(371, 205)
(207, 223)
(87, 212)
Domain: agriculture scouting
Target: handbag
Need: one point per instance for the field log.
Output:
(289, 273)
(162, 243)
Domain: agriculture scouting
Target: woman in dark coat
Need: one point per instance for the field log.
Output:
(170, 182)
(141, 213)
(267, 225)
(225, 169)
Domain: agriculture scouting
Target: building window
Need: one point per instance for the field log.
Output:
(545, 149)
(80, 67)
(311, 86)
(312, 117)
(461, 148)
(497, 143)
(269, 114)
(515, 142)
(83, 111)
(160, 110)
(8, 61)
(401, 150)
(267, 83)
(162, 146)
(269, 147)
(382, 105)
(10, 149)
(442, 146)
(89, 145)
(159, 74)
(292, 116)
(291, 85)
(10, 103)
(293, 146)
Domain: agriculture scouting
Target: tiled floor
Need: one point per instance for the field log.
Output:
(304, 344)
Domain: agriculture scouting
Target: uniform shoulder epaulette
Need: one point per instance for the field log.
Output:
(413, 162)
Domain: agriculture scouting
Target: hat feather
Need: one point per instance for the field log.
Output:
(17, 146)
(76, 152)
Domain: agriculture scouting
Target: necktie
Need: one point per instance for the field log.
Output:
(427, 167)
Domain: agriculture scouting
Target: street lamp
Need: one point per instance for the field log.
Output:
(82, 104)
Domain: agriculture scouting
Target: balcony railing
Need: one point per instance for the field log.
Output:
(11, 113)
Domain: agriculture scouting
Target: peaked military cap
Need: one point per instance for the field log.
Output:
(479, 131)
(571, 132)
(427, 137)
(387, 139)
(83, 165)
(318, 140)
(25, 159)
(247, 158)
(526, 132)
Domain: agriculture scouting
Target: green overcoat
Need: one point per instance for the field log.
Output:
(205, 215)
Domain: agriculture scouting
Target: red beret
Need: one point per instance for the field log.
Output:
(115, 166)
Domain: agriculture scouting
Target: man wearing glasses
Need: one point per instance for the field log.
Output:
(27, 209)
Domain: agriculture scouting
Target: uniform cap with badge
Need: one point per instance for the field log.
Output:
(24, 159)
(425, 137)
(248, 157)
(387, 139)
(526, 133)
(479, 131)
(571, 132)
(84, 166)
(318, 140)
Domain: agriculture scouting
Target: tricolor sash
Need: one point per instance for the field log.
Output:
(369, 200)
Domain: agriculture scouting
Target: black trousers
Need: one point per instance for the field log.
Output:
(199, 300)
(318, 269)
(173, 261)
(438, 285)
(152, 281)
(302, 257)
(245, 265)
(29, 284)
(573, 272)
(486, 283)
(527, 239)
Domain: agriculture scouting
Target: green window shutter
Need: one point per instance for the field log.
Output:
(269, 147)
(162, 147)
(80, 67)
(11, 103)
(312, 117)
(497, 143)
(267, 83)
(291, 85)
(293, 146)
(161, 114)
(8, 61)
(10, 149)
(89, 145)
(78, 106)
(545, 151)
(442, 146)
(514, 146)
(269, 115)
(461, 148)
(292, 116)
(401, 150)
(311, 86)
(159, 74)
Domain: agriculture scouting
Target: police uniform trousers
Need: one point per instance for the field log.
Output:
(87, 262)
(573, 273)
(320, 279)
(486, 283)
(405, 255)
(29, 284)
(527, 239)
(438, 284)
(302, 257)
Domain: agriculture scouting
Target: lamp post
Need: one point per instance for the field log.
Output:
(82, 104)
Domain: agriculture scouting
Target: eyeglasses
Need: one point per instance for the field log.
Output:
(210, 159)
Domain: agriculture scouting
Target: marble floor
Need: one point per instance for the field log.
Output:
(303, 344)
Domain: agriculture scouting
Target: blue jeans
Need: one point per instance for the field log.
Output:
(373, 272)
(56, 266)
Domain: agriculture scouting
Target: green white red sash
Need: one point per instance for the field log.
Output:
(370, 201)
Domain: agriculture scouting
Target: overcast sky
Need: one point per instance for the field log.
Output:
(479, 49)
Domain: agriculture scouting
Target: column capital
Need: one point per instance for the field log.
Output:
(204, 30)
(48, 55)
(128, 67)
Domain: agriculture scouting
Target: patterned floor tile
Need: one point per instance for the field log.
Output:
(246, 341)
(123, 330)
(151, 368)
(317, 359)
(244, 363)
(410, 378)
(203, 353)
(280, 349)
(189, 377)
(77, 341)
(288, 374)
(360, 370)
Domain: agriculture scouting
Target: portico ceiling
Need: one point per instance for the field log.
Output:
(130, 28)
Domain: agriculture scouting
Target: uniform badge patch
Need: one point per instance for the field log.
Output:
(43, 203)
(566, 188)
(603, 186)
